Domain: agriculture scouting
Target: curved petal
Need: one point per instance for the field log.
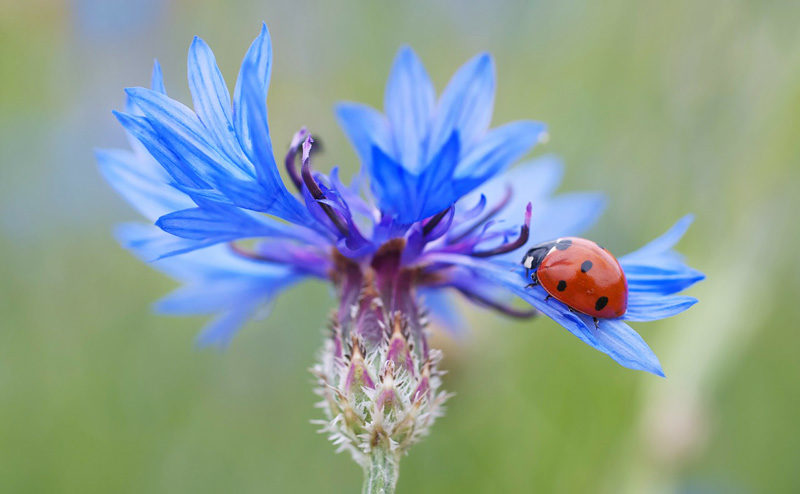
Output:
(499, 148)
(280, 201)
(208, 298)
(661, 245)
(217, 281)
(652, 278)
(150, 243)
(143, 184)
(566, 214)
(183, 132)
(435, 189)
(656, 269)
(366, 128)
(212, 101)
(532, 181)
(408, 104)
(259, 56)
(141, 129)
(620, 342)
(223, 328)
(220, 223)
(391, 184)
(157, 79)
(466, 105)
(644, 308)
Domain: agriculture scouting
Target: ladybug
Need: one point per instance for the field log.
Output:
(584, 276)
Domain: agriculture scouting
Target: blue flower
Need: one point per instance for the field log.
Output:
(431, 214)
(433, 152)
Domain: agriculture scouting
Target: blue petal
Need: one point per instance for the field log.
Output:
(435, 188)
(466, 105)
(259, 56)
(414, 197)
(500, 148)
(280, 201)
(657, 279)
(142, 183)
(656, 269)
(212, 102)
(184, 134)
(221, 330)
(221, 294)
(662, 244)
(257, 130)
(566, 214)
(218, 281)
(408, 103)
(217, 262)
(220, 223)
(206, 298)
(532, 181)
(391, 184)
(157, 79)
(644, 308)
(150, 243)
(614, 337)
(141, 129)
(624, 345)
(366, 128)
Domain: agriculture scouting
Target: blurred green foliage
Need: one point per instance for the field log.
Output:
(669, 107)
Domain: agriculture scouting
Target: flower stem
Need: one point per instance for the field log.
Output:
(380, 475)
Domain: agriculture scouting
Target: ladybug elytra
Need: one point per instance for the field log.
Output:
(579, 273)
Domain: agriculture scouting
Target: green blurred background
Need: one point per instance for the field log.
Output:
(668, 107)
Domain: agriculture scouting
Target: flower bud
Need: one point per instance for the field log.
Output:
(380, 390)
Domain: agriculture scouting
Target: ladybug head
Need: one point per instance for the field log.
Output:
(535, 255)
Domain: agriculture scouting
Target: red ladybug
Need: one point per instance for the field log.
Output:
(584, 276)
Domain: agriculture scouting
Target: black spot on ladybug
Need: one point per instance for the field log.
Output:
(586, 266)
(601, 302)
(563, 244)
(562, 285)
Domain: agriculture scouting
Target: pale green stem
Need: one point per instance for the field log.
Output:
(380, 475)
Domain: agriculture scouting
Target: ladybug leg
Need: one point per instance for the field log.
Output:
(548, 297)
(534, 280)
(596, 323)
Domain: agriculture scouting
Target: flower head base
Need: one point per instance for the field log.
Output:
(377, 374)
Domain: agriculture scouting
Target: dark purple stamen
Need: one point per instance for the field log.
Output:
(488, 216)
(431, 224)
(502, 308)
(316, 192)
(521, 240)
(289, 161)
